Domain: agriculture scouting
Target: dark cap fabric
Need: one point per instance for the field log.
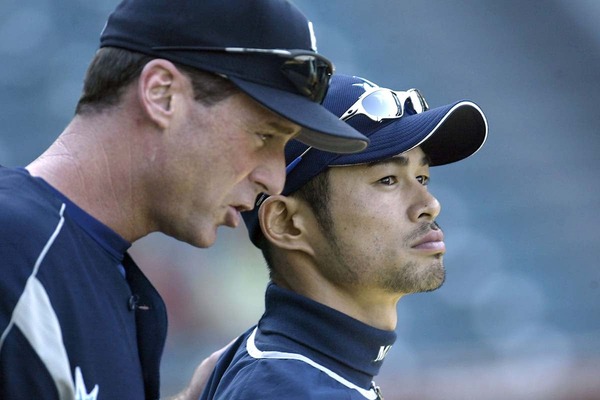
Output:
(446, 134)
(148, 26)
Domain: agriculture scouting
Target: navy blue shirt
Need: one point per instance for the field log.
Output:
(78, 319)
(302, 350)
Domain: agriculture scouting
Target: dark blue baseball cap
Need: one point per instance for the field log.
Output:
(446, 134)
(182, 31)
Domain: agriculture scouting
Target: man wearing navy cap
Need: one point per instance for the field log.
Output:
(347, 238)
(185, 112)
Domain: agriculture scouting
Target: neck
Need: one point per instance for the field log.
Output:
(373, 306)
(369, 306)
(90, 163)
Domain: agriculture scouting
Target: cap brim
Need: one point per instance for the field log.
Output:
(446, 134)
(320, 128)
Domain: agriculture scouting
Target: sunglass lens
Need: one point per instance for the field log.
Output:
(310, 75)
(418, 101)
(382, 104)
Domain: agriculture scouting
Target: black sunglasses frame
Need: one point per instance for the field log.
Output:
(308, 71)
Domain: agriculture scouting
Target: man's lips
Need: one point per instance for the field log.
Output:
(232, 216)
(432, 241)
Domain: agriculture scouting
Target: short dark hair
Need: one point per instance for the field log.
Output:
(113, 69)
(316, 194)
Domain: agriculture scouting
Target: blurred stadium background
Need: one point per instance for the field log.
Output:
(519, 315)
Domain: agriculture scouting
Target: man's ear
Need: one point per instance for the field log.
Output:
(283, 223)
(159, 82)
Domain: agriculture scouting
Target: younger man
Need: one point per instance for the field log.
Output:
(349, 236)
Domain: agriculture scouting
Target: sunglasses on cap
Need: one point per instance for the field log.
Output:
(377, 104)
(308, 71)
(380, 103)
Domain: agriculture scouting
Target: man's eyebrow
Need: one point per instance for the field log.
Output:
(426, 160)
(400, 160)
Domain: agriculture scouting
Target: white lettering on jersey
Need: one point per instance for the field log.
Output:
(383, 350)
(80, 389)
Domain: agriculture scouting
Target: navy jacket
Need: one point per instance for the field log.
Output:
(301, 350)
(78, 319)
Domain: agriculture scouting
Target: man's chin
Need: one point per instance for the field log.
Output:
(202, 238)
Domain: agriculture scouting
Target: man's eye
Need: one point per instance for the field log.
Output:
(423, 180)
(388, 180)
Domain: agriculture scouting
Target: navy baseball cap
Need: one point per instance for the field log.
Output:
(236, 39)
(446, 134)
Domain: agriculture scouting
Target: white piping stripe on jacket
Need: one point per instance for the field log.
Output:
(278, 355)
(36, 319)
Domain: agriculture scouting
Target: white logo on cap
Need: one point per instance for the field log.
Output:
(104, 28)
(366, 85)
(313, 38)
